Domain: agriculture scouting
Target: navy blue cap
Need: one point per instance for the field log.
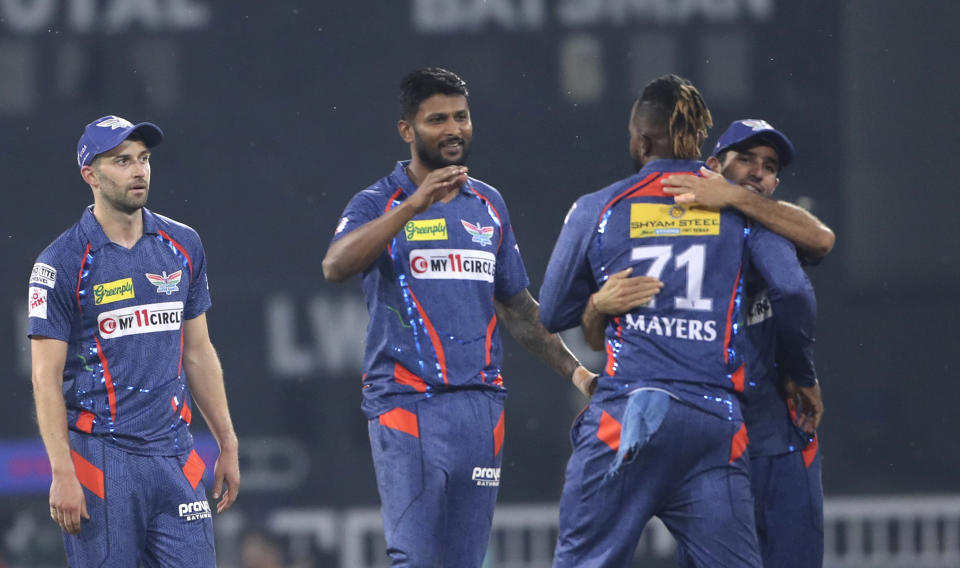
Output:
(743, 130)
(107, 132)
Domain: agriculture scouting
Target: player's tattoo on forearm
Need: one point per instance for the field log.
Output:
(520, 315)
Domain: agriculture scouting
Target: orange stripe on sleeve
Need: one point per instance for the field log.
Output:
(89, 475)
(738, 444)
(194, 468)
(498, 432)
(609, 431)
(402, 420)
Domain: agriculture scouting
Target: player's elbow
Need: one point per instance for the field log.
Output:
(332, 269)
(823, 243)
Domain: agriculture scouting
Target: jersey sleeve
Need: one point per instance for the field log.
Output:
(792, 299)
(362, 208)
(198, 298)
(51, 299)
(568, 282)
(511, 276)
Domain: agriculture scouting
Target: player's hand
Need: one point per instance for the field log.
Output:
(226, 478)
(585, 380)
(808, 402)
(712, 190)
(622, 293)
(436, 185)
(67, 502)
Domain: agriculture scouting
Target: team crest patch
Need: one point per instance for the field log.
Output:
(481, 234)
(165, 284)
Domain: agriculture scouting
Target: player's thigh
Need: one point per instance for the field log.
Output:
(180, 532)
(115, 533)
(411, 491)
(711, 512)
(602, 512)
(792, 534)
(472, 432)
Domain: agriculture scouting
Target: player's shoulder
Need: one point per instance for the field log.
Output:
(66, 250)
(180, 232)
(170, 225)
(488, 191)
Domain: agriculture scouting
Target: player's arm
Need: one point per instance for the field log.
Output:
(794, 303)
(67, 502)
(205, 379)
(620, 294)
(712, 190)
(355, 252)
(520, 315)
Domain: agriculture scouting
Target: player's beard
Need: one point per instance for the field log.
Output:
(433, 158)
(119, 199)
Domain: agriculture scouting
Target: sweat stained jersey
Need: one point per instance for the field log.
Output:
(121, 312)
(430, 295)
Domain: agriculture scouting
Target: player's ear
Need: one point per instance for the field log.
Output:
(89, 175)
(714, 164)
(406, 130)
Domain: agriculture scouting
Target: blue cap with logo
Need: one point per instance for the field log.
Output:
(747, 129)
(107, 132)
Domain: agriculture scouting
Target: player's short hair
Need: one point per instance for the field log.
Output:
(674, 103)
(422, 84)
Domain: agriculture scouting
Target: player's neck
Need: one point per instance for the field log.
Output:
(416, 171)
(124, 229)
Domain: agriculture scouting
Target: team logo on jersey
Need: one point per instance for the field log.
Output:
(43, 274)
(37, 300)
(486, 476)
(145, 318)
(452, 264)
(480, 234)
(165, 284)
(194, 511)
(115, 122)
(109, 292)
(426, 230)
(672, 220)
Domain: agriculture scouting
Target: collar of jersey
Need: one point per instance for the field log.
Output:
(94, 232)
(665, 165)
(407, 185)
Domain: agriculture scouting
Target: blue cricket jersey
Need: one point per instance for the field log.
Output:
(689, 340)
(121, 312)
(765, 409)
(431, 294)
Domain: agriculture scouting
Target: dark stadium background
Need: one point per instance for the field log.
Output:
(276, 113)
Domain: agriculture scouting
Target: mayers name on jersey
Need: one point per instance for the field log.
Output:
(680, 328)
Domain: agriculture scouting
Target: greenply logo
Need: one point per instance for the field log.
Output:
(113, 291)
(426, 230)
